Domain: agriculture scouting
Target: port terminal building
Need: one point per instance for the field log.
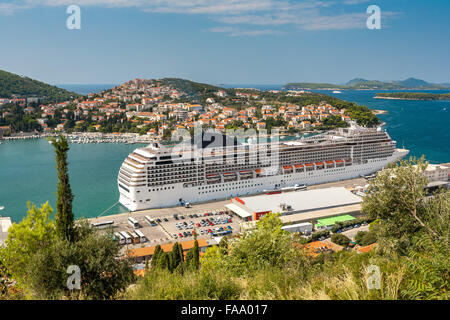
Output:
(298, 206)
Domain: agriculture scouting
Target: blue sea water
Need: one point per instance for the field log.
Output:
(27, 167)
(28, 173)
(423, 127)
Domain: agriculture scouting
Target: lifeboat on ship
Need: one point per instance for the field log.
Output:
(260, 172)
(287, 169)
(339, 163)
(299, 168)
(212, 178)
(329, 164)
(246, 174)
(309, 166)
(319, 165)
(229, 176)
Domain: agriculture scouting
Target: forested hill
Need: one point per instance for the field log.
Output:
(190, 87)
(13, 84)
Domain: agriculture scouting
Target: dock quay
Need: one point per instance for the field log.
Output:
(166, 231)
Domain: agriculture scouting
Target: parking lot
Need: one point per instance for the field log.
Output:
(206, 224)
(167, 227)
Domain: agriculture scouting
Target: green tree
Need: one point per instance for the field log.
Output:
(163, 261)
(267, 246)
(35, 232)
(103, 276)
(340, 239)
(223, 245)
(195, 255)
(64, 215)
(156, 255)
(364, 238)
(177, 256)
(398, 198)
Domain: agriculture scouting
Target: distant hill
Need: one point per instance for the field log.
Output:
(190, 87)
(413, 83)
(360, 83)
(12, 84)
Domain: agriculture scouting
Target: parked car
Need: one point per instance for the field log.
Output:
(180, 235)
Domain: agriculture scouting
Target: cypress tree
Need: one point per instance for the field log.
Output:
(176, 258)
(163, 261)
(156, 255)
(64, 215)
(188, 260)
(196, 255)
(180, 253)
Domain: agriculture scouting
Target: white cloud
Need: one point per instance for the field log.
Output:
(234, 31)
(237, 15)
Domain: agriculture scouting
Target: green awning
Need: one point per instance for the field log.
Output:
(326, 222)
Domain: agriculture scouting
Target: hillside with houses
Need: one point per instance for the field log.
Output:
(161, 107)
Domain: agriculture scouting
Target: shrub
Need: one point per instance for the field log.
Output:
(364, 238)
(340, 239)
(317, 235)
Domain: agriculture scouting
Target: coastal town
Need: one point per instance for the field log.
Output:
(158, 110)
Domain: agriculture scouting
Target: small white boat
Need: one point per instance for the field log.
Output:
(1, 208)
(337, 91)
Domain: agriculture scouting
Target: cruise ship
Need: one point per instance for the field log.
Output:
(155, 176)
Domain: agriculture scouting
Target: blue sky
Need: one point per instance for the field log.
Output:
(225, 41)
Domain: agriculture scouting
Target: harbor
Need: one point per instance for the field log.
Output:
(86, 137)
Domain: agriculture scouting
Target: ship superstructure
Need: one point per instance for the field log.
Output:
(155, 176)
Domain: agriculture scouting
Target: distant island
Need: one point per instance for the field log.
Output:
(413, 96)
(363, 84)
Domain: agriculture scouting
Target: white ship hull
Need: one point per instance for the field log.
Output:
(141, 198)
